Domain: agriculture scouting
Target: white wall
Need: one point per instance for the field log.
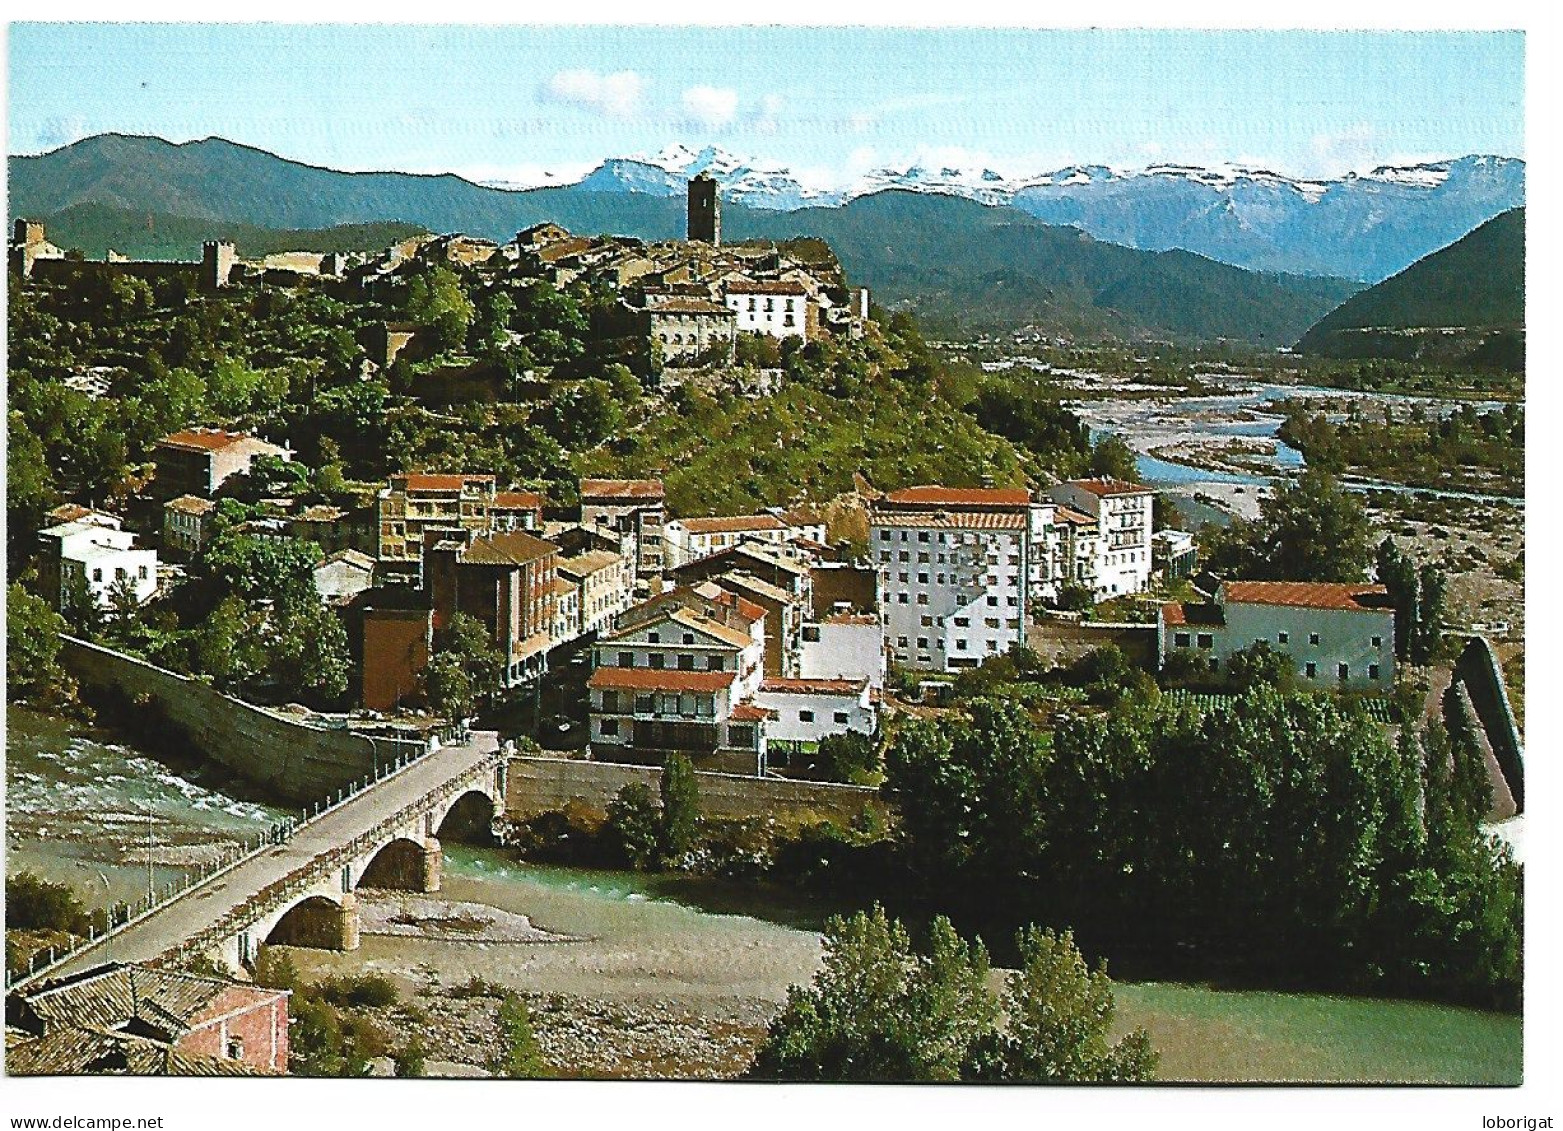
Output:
(844, 651)
(993, 611)
(789, 725)
(1345, 636)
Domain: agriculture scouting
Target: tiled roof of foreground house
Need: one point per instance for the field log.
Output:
(1106, 486)
(96, 1052)
(1192, 613)
(1307, 594)
(658, 679)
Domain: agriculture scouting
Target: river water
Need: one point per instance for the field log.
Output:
(79, 807)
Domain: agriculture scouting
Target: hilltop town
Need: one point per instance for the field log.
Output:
(458, 509)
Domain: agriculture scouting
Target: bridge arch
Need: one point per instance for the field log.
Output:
(317, 921)
(468, 818)
(403, 864)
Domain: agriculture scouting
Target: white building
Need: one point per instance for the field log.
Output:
(1338, 634)
(844, 646)
(780, 308)
(954, 582)
(1122, 512)
(96, 551)
(567, 612)
(691, 539)
(680, 673)
(807, 710)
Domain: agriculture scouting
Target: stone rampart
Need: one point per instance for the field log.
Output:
(1063, 641)
(539, 785)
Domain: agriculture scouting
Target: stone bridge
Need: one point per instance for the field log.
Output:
(301, 891)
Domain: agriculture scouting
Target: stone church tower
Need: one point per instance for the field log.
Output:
(705, 211)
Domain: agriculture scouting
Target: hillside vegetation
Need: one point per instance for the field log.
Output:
(1463, 304)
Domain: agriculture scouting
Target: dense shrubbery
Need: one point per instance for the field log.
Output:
(35, 904)
(1278, 835)
(886, 1010)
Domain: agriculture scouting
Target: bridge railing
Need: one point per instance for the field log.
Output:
(119, 916)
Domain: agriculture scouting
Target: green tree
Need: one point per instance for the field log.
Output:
(35, 904)
(849, 756)
(1058, 1017)
(680, 806)
(1113, 458)
(1309, 530)
(308, 655)
(882, 1011)
(1258, 664)
(520, 1056)
(32, 648)
(438, 303)
(635, 825)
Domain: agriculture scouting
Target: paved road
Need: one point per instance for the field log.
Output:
(200, 907)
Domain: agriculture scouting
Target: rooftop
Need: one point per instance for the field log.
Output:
(1306, 594)
(589, 562)
(511, 547)
(621, 489)
(518, 500)
(435, 482)
(109, 996)
(932, 496)
(748, 712)
(730, 524)
(205, 440)
(766, 287)
(1106, 486)
(953, 520)
(1192, 613)
(690, 306)
(779, 686)
(191, 504)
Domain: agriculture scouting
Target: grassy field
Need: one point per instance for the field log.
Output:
(1210, 1035)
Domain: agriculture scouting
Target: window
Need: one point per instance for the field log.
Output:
(610, 701)
(1215, 665)
(143, 572)
(686, 662)
(658, 660)
(1180, 639)
(1282, 637)
(901, 598)
(1373, 672)
(963, 622)
(1311, 670)
(927, 622)
(609, 727)
(97, 575)
(905, 557)
(922, 557)
(654, 637)
(991, 622)
(922, 535)
(626, 659)
(811, 633)
(1313, 638)
(689, 638)
(805, 716)
(922, 579)
(960, 644)
(1343, 671)
(922, 598)
(713, 663)
(1378, 642)
(1206, 640)
(903, 577)
(994, 601)
(740, 736)
(922, 642)
(900, 642)
(884, 535)
(235, 1048)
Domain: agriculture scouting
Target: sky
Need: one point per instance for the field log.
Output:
(517, 103)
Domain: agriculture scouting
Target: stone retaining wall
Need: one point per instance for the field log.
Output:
(1060, 641)
(298, 761)
(539, 785)
(1478, 669)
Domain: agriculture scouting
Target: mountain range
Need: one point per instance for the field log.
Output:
(1363, 227)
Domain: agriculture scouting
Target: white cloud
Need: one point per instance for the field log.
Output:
(711, 106)
(1349, 149)
(615, 96)
(55, 132)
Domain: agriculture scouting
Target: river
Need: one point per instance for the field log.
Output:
(79, 807)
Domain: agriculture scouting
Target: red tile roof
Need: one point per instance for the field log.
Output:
(690, 306)
(432, 482)
(1073, 517)
(749, 713)
(513, 547)
(622, 489)
(1190, 612)
(731, 524)
(935, 496)
(519, 500)
(1306, 594)
(955, 520)
(658, 679)
(1109, 487)
(780, 686)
